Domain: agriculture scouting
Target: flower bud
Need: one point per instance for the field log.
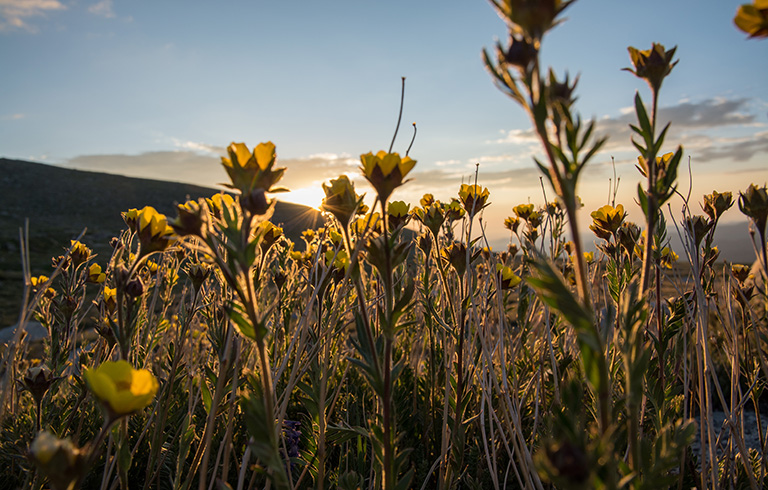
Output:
(716, 204)
(37, 380)
(754, 204)
(134, 288)
(698, 227)
(340, 200)
(58, 459)
(190, 220)
(520, 52)
(652, 65)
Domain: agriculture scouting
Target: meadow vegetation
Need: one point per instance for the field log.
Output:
(394, 349)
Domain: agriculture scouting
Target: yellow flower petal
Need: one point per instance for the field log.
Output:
(265, 154)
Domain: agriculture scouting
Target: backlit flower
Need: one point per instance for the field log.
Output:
(717, 203)
(269, 234)
(753, 18)
(122, 389)
(455, 254)
(431, 215)
(607, 220)
(95, 274)
(58, 459)
(397, 212)
(754, 204)
(252, 170)
(37, 380)
(534, 18)
(155, 235)
(109, 298)
(217, 203)
(512, 223)
(369, 222)
(340, 200)
(698, 227)
(79, 253)
(523, 210)
(190, 219)
(386, 171)
(454, 210)
(508, 278)
(473, 198)
(652, 65)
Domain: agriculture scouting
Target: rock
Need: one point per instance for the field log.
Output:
(35, 331)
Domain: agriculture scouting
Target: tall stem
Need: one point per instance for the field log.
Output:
(390, 473)
(651, 217)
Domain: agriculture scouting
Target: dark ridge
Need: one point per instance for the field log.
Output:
(60, 202)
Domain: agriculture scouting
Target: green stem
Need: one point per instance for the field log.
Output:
(651, 217)
(390, 472)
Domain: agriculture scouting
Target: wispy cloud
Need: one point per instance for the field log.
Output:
(13, 117)
(179, 166)
(516, 136)
(104, 8)
(695, 125)
(200, 163)
(199, 147)
(15, 14)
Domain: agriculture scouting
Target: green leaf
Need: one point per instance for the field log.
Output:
(206, 394)
(642, 116)
(643, 199)
(241, 322)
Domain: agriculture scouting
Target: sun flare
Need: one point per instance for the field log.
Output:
(308, 196)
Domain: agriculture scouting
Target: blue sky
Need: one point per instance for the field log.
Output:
(159, 89)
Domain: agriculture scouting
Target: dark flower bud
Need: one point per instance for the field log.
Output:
(456, 255)
(425, 243)
(652, 65)
(280, 279)
(520, 52)
(740, 272)
(37, 380)
(754, 204)
(716, 204)
(134, 288)
(198, 273)
(698, 227)
(190, 219)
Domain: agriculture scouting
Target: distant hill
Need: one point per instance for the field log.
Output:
(59, 203)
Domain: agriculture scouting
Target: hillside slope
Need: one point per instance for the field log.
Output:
(59, 203)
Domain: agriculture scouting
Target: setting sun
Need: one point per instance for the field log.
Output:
(308, 196)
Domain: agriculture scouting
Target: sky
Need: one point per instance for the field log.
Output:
(159, 89)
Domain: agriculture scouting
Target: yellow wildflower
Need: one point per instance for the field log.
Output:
(385, 171)
(122, 389)
(607, 220)
(473, 198)
(252, 170)
(652, 65)
(341, 200)
(523, 210)
(95, 274)
(507, 277)
(753, 18)
(397, 212)
(155, 235)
